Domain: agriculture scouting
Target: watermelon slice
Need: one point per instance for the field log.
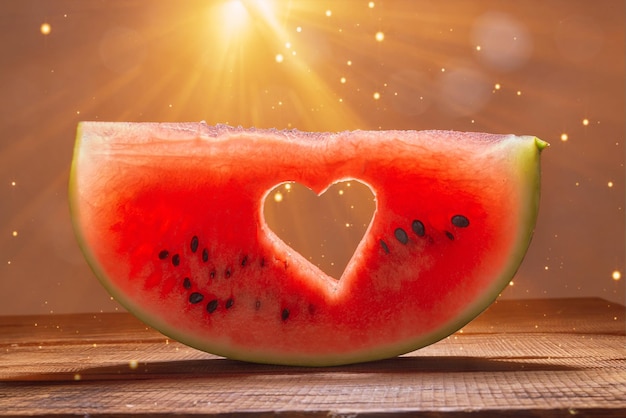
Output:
(170, 218)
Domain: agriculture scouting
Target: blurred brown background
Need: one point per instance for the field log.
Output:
(551, 68)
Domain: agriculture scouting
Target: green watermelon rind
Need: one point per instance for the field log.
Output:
(525, 166)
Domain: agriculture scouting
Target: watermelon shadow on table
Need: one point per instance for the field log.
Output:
(223, 368)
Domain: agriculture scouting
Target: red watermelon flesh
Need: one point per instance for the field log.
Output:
(170, 218)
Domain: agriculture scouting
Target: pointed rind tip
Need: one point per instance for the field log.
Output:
(541, 144)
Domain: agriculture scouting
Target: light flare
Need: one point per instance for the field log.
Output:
(235, 15)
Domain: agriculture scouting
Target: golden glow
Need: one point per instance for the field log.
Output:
(14, 233)
(610, 184)
(253, 48)
(585, 122)
(564, 137)
(616, 275)
(380, 36)
(235, 16)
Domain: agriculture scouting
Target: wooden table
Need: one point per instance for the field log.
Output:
(553, 358)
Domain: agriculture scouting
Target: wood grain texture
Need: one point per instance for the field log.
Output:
(549, 358)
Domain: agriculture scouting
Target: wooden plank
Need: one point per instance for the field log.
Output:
(536, 357)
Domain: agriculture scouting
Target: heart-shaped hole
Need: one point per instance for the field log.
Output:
(325, 229)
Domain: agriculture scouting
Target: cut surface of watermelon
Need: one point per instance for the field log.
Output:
(170, 218)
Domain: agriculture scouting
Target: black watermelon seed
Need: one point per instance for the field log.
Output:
(176, 260)
(384, 245)
(227, 273)
(163, 254)
(460, 221)
(196, 297)
(194, 244)
(262, 261)
(229, 303)
(257, 305)
(418, 228)
(244, 261)
(212, 306)
(205, 255)
(187, 283)
(212, 274)
(449, 235)
(284, 315)
(401, 235)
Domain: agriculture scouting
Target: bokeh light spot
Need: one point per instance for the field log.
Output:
(45, 28)
(505, 42)
(463, 91)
